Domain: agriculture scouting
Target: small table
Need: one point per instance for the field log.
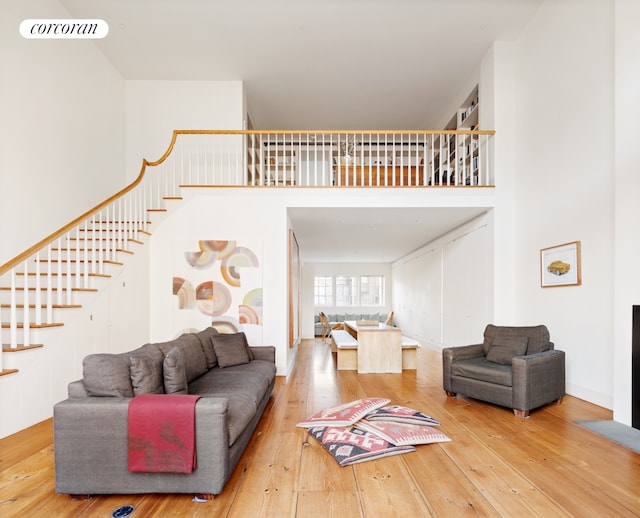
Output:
(379, 347)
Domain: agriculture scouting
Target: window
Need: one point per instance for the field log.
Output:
(371, 290)
(346, 290)
(323, 291)
(349, 290)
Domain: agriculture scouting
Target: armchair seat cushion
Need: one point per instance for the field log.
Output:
(483, 370)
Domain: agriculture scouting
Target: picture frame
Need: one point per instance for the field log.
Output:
(560, 265)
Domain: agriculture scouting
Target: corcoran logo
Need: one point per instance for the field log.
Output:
(61, 29)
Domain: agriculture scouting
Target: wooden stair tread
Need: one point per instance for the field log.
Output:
(20, 325)
(44, 288)
(104, 261)
(87, 250)
(55, 274)
(6, 348)
(87, 238)
(43, 306)
(103, 221)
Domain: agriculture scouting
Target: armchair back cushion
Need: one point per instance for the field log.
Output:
(538, 337)
(504, 349)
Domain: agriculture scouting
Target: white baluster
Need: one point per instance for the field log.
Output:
(38, 293)
(26, 325)
(49, 286)
(13, 317)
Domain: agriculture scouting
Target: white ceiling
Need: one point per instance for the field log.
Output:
(320, 65)
(338, 235)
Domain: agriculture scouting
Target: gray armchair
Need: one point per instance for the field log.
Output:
(515, 367)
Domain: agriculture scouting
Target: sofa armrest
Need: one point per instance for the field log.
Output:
(454, 354)
(76, 389)
(264, 352)
(538, 379)
(90, 447)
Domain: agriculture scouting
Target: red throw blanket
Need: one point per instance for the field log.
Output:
(162, 435)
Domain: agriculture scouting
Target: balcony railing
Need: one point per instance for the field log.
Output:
(43, 279)
(332, 158)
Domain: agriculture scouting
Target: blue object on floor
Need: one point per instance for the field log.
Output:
(123, 511)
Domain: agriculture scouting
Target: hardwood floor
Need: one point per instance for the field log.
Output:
(495, 465)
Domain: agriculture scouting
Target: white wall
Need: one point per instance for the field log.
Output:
(156, 108)
(227, 214)
(442, 293)
(62, 129)
(564, 183)
(627, 194)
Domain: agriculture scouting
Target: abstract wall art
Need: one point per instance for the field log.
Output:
(218, 283)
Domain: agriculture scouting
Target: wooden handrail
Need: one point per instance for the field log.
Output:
(52, 237)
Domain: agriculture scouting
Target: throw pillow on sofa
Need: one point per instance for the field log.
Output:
(175, 374)
(207, 345)
(195, 362)
(146, 375)
(107, 374)
(231, 349)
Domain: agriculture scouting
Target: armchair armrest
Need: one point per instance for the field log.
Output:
(454, 354)
(538, 379)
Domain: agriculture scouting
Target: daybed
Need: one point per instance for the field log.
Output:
(338, 318)
(91, 426)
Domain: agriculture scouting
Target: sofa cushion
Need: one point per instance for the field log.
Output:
(231, 349)
(504, 349)
(207, 345)
(265, 368)
(195, 362)
(218, 382)
(175, 372)
(483, 370)
(105, 374)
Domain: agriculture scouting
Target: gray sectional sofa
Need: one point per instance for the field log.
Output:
(234, 379)
(336, 318)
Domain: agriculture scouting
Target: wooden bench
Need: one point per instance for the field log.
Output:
(346, 347)
(409, 353)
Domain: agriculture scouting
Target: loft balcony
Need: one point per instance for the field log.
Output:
(446, 158)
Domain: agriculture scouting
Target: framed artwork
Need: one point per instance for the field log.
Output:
(560, 265)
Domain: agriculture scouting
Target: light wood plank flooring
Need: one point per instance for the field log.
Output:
(495, 465)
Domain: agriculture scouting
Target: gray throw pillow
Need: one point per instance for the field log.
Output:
(231, 349)
(207, 345)
(146, 375)
(195, 362)
(503, 350)
(107, 374)
(175, 374)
